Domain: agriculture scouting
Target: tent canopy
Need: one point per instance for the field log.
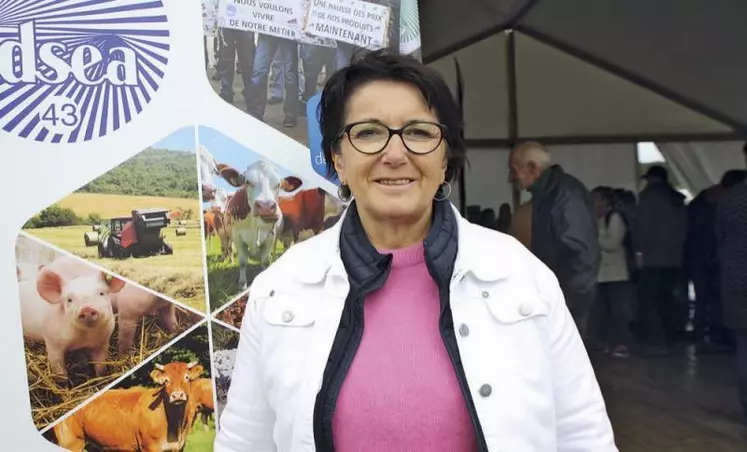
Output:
(566, 71)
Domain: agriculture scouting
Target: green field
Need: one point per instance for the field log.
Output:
(223, 277)
(200, 440)
(109, 206)
(179, 275)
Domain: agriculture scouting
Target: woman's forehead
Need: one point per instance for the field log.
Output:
(392, 103)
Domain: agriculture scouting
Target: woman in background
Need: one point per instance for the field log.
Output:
(611, 329)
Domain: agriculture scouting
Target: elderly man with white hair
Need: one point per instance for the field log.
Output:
(565, 234)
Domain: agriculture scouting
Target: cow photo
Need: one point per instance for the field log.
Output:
(225, 343)
(253, 210)
(84, 327)
(167, 404)
(140, 220)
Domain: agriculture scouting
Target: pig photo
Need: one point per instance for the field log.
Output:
(225, 343)
(84, 327)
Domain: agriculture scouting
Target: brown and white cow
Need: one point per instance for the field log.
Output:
(254, 211)
(216, 223)
(137, 418)
(307, 210)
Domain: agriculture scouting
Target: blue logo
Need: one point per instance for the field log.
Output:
(315, 138)
(73, 71)
(231, 10)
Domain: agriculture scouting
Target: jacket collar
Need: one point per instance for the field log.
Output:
(322, 257)
(547, 181)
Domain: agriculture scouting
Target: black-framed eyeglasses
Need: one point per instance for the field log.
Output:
(371, 137)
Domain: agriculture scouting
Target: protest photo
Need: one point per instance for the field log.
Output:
(269, 58)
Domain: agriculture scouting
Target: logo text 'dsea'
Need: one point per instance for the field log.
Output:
(119, 66)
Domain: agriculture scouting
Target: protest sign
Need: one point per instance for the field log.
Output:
(356, 22)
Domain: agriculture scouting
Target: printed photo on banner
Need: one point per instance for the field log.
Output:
(253, 210)
(233, 313)
(225, 344)
(166, 404)
(140, 220)
(270, 58)
(84, 327)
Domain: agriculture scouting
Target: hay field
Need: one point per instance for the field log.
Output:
(109, 206)
(179, 276)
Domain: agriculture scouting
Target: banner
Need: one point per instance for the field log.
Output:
(125, 124)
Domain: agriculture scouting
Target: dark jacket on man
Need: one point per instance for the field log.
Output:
(731, 236)
(661, 226)
(565, 235)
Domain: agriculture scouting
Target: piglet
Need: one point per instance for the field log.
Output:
(27, 271)
(132, 303)
(68, 313)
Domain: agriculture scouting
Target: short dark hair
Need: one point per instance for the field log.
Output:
(390, 66)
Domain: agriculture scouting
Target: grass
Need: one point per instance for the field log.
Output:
(179, 276)
(200, 440)
(109, 206)
(49, 400)
(223, 277)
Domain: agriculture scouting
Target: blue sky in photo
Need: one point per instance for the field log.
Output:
(181, 140)
(229, 151)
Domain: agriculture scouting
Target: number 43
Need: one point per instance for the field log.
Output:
(69, 110)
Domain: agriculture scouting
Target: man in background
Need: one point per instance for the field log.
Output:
(731, 237)
(564, 231)
(659, 241)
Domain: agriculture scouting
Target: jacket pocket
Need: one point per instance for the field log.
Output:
(515, 311)
(288, 311)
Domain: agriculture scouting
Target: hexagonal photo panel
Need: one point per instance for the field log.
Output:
(165, 404)
(84, 326)
(253, 210)
(141, 220)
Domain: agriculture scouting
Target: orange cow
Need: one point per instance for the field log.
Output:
(306, 210)
(137, 418)
(201, 401)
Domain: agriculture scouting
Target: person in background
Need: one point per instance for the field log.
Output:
(235, 45)
(610, 320)
(521, 224)
(565, 233)
(487, 219)
(661, 228)
(404, 326)
(503, 223)
(731, 239)
(701, 262)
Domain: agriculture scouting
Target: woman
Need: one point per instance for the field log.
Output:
(393, 331)
(611, 311)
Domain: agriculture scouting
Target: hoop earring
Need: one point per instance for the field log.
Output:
(445, 187)
(343, 192)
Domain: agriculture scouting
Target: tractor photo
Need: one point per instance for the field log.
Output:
(137, 235)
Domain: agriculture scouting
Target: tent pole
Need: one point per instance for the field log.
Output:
(513, 106)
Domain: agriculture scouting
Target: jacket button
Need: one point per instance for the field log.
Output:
(485, 294)
(485, 390)
(525, 309)
(272, 292)
(287, 316)
(464, 330)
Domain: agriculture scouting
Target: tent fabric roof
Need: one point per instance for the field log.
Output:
(593, 70)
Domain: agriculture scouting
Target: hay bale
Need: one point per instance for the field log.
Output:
(180, 231)
(91, 238)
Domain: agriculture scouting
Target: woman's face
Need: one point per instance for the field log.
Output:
(394, 184)
(600, 205)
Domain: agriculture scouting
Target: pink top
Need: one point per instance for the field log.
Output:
(401, 392)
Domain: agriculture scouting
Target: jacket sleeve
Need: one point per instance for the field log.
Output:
(247, 421)
(611, 238)
(582, 423)
(577, 233)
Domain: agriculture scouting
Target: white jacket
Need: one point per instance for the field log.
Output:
(522, 342)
